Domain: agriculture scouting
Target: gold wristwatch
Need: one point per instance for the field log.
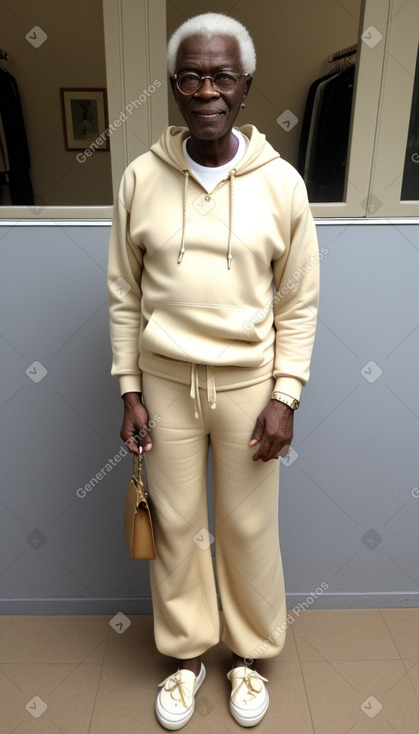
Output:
(282, 397)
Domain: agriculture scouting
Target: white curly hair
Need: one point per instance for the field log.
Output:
(208, 24)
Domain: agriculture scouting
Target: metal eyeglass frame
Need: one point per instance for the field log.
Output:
(235, 74)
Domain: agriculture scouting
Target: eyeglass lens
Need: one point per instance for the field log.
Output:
(222, 81)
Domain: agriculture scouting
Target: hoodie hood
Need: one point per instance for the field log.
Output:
(170, 149)
(259, 151)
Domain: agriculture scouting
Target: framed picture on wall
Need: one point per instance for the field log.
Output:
(85, 118)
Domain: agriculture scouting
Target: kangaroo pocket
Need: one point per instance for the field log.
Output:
(204, 334)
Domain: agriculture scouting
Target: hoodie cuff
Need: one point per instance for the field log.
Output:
(130, 383)
(290, 386)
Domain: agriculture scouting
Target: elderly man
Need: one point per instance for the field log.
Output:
(213, 331)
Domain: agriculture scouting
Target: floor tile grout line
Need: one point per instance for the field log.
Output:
(78, 665)
(304, 683)
(272, 661)
(99, 681)
(407, 672)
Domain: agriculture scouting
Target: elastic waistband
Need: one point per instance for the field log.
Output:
(202, 376)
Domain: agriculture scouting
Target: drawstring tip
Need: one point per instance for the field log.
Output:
(229, 259)
(213, 406)
(196, 415)
(180, 256)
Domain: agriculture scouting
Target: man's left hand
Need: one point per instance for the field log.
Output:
(273, 431)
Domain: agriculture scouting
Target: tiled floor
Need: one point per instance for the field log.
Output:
(341, 672)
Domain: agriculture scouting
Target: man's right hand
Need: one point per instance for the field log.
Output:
(134, 429)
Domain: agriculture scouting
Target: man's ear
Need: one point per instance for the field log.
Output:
(247, 86)
(172, 84)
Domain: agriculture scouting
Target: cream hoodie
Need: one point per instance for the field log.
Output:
(226, 278)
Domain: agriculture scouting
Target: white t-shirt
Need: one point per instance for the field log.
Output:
(210, 176)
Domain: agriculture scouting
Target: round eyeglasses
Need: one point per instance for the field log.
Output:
(188, 82)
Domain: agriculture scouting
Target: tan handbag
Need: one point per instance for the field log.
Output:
(138, 526)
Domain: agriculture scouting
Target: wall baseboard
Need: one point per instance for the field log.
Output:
(70, 605)
(300, 602)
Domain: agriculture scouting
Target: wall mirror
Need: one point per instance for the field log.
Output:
(53, 105)
(299, 45)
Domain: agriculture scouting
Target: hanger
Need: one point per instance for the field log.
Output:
(345, 54)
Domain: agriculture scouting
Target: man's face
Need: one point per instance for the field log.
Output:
(208, 114)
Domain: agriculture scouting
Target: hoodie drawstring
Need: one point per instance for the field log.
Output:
(231, 177)
(230, 223)
(194, 393)
(211, 392)
(185, 199)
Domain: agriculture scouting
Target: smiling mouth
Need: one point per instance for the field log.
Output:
(208, 113)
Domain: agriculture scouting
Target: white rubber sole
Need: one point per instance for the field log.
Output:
(244, 718)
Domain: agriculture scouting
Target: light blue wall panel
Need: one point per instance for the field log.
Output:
(349, 511)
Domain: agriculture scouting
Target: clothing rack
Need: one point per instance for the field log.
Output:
(343, 53)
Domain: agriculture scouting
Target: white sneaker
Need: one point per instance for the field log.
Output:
(249, 698)
(175, 702)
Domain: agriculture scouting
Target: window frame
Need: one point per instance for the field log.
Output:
(135, 34)
(369, 63)
(395, 108)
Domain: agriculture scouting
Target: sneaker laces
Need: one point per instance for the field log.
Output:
(250, 679)
(174, 685)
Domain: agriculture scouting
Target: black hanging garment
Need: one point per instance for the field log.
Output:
(14, 150)
(410, 186)
(324, 139)
(307, 120)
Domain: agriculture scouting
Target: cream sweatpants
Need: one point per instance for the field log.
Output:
(247, 554)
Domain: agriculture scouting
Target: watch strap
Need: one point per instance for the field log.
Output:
(282, 397)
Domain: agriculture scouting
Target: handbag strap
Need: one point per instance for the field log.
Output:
(138, 476)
